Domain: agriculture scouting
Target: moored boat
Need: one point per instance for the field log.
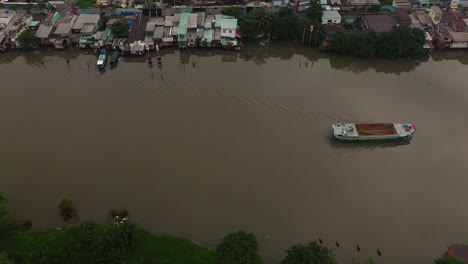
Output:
(373, 132)
(102, 60)
(114, 58)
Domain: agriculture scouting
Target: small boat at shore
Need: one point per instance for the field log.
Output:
(373, 131)
(114, 58)
(102, 60)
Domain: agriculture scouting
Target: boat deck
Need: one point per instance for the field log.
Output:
(375, 129)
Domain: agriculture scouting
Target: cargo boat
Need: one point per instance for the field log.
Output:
(373, 132)
(114, 58)
(102, 60)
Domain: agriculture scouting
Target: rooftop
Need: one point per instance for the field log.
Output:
(64, 28)
(150, 26)
(44, 31)
(437, 10)
(229, 23)
(193, 21)
(86, 19)
(381, 23)
(459, 37)
(328, 15)
(158, 33)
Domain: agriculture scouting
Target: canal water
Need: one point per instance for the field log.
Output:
(218, 141)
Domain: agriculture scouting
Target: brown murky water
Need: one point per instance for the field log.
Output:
(217, 141)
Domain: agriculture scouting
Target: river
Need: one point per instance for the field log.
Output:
(217, 141)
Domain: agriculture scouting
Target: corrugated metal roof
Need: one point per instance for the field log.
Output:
(88, 28)
(168, 21)
(158, 33)
(108, 34)
(329, 15)
(63, 29)
(208, 25)
(183, 23)
(192, 21)
(201, 19)
(175, 31)
(229, 23)
(218, 20)
(44, 31)
(159, 21)
(177, 17)
(86, 19)
(150, 26)
(217, 35)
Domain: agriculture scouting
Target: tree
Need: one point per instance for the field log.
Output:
(248, 23)
(102, 23)
(312, 253)
(232, 11)
(238, 248)
(27, 39)
(449, 260)
(314, 12)
(4, 259)
(403, 42)
(120, 29)
(356, 43)
(264, 20)
(67, 209)
(4, 214)
(286, 24)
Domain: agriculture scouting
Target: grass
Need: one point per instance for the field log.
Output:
(157, 249)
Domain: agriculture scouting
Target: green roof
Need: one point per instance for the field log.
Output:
(323, 2)
(34, 23)
(107, 34)
(184, 19)
(208, 34)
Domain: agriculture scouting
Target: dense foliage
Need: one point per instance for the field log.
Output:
(85, 3)
(286, 24)
(4, 214)
(67, 209)
(314, 12)
(449, 260)
(27, 39)
(312, 253)
(4, 259)
(120, 29)
(232, 11)
(238, 248)
(102, 23)
(401, 43)
(356, 43)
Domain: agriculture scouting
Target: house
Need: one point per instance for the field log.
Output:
(6, 16)
(158, 35)
(378, 23)
(149, 32)
(45, 29)
(3, 40)
(436, 14)
(182, 31)
(459, 252)
(228, 28)
(84, 28)
(459, 41)
(331, 17)
(192, 30)
(62, 33)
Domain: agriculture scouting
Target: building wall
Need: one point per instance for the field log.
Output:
(435, 17)
(335, 21)
(228, 33)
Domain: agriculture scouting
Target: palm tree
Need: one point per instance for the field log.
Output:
(264, 20)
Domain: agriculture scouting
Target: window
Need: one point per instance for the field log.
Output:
(329, 21)
(230, 32)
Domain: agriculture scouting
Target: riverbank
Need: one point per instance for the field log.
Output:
(53, 246)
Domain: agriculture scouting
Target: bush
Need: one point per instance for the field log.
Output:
(67, 209)
(312, 253)
(85, 3)
(449, 260)
(26, 226)
(238, 248)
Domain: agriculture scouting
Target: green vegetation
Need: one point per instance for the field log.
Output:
(5, 219)
(238, 248)
(67, 209)
(449, 260)
(314, 12)
(27, 39)
(312, 253)
(85, 3)
(401, 43)
(120, 29)
(102, 23)
(4, 259)
(232, 11)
